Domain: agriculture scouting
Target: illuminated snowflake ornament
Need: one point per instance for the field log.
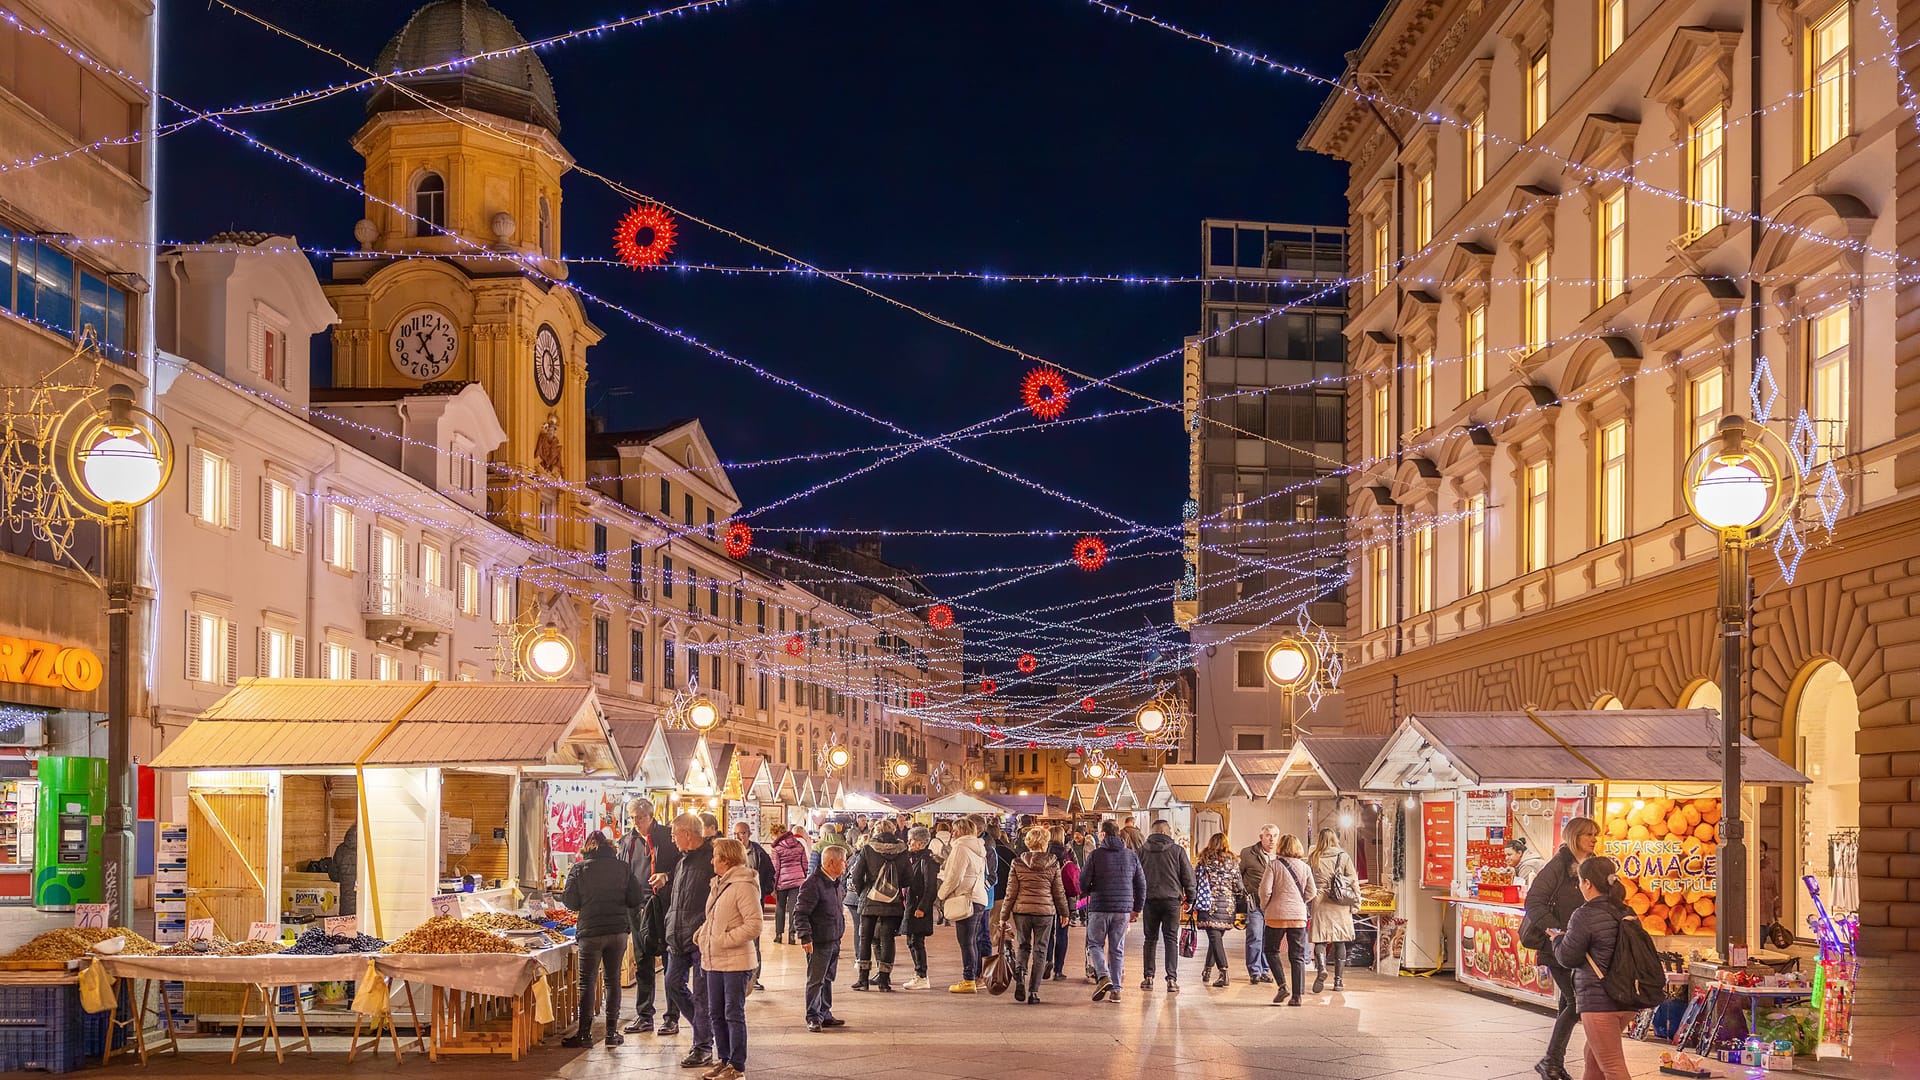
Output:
(1830, 496)
(1788, 549)
(1763, 391)
(1803, 444)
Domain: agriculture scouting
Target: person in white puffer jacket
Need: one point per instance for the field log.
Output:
(965, 874)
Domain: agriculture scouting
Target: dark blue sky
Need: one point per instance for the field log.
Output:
(1012, 135)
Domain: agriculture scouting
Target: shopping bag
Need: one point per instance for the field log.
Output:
(1189, 938)
(998, 973)
(371, 998)
(96, 988)
(542, 1002)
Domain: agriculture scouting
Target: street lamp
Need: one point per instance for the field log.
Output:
(1736, 484)
(1151, 719)
(1289, 663)
(1096, 770)
(546, 653)
(701, 715)
(116, 460)
(979, 785)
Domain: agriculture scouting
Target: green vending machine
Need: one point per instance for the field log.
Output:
(69, 833)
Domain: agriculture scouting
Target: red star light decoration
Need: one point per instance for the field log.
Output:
(1090, 553)
(796, 645)
(918, 699)
(739, 539)
(988, 686)
(647, 217)
(939, 616)
(1027, 663)
(1045, 392)
(1086, 704)
(1100, 730)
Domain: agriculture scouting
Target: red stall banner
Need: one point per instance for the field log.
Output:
(1436, 847)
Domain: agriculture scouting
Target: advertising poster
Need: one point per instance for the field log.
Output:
(1668, 851)
(573, 810)
(1492, 957)
(1436, 844)
(1486, 821)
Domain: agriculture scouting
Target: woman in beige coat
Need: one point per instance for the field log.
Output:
(1331, 929)
(726, 943)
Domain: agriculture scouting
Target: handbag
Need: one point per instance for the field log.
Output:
(998, 973)
(1189, 937)
(1341, 890)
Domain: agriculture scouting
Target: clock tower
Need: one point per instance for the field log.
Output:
(458, 276)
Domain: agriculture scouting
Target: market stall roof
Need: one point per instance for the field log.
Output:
(1677, 746)
(720, 755)
(332, 723)
(1040, 806)
(691, 763)
(803, 790)
(1139, 786)
(1081, 799)
(1322, 766)
(631, 735)
(1114, 795)
(1245, 774)
(862, 802)
(1185, 783)
(907, 802)
(773, 783)
(960, 802)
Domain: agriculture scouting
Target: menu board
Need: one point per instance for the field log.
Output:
(1491, 956)
(1436, 844)
(1486, 821)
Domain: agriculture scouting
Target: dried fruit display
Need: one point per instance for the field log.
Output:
(441, 935)
(248, 948)
(500, 920)
(317, 942)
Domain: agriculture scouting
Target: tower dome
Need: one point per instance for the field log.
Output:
(515, 85)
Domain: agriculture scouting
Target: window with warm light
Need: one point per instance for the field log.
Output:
(1473, 366)
(1377, 249)
(1706, 403)
(211, 494)
(467, 588)
(386, 666)
(503, 606)
(1423, 390)
(431, 673)
(1611, 27)
(1829, 80)
(1706, 172)
(1534, 289)
(1533, 547)
(1612, 511)
(1537, 92)
(1476, 152)
(1830, 347)
(342, 541)
(341, 662)
(1473, 546)
(280, 516)
(1381, 431)
(1422, 570)
(212, 649)
(1380, 587)
(281, 654)
(1423, 209)
(1610, 247)
(433, 566)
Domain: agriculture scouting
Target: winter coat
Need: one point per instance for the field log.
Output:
(346, 871)
(601, 888)
(965, 871)
(1592, 933)
(687, 895)
(1331, 921)
(1286, 892)
(1253, 867)
(633, 850)
(1080, 851)
(761, 864)
(1034, 886)
(1553, 898)
(732, 923)
(789, 862)
(819, 915)
(881, 852)
(1070, 878)
(1112, 878)
(1169, 871)
(920, 880)
(1216, 887)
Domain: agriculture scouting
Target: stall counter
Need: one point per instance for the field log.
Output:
(1488, 954)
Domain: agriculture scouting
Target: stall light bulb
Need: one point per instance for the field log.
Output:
(1731, 496)
(1410, 802)
(1613, 808)
(1639, 803)
(1346, 821)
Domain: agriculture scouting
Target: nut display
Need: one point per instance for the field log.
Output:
(442, 934)
(249, 948)
(500, 920)
(197, 947)
(72, 943)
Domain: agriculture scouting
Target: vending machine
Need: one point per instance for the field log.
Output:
(70, 833)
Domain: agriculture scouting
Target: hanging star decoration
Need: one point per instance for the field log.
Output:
(1045, 392)
(796, 645)
(653, 219)
(1090, 552)
(1027, 664)
(939, 616)
(739, 540)
(988, 686)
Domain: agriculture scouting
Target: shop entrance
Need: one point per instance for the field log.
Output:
(1823, 723)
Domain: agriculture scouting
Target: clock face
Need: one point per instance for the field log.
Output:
(423, 344)
(549, 370)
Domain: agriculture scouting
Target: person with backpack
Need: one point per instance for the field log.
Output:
(1331, 925)
(1217, 892)
(1551, 902)
(920, 882)
(1608, 952)
(876, 881)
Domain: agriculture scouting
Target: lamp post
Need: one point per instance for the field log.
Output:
(546, 654)
(116, 460)
(1736, 486)
(1290, 664)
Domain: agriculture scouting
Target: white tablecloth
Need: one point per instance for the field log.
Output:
(500, 974)
(270, 969)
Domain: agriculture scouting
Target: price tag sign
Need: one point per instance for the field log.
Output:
(263, 931)
(199, 929)
(90, 916)
(342, 926)
(447, 904)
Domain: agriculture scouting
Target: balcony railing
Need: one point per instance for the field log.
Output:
(409, 602)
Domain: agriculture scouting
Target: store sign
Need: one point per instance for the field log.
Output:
(43, 663)
(341, 925)
(1491, 954)
(199, 929)
(1668, 851)
(1436, 844)
(447, 904)
(263, 931)
(90, 916)
(1486, 821)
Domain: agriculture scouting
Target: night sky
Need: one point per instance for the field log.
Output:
(1032, 136)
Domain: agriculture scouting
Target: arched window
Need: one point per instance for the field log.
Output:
(546, 227)
(430, 205)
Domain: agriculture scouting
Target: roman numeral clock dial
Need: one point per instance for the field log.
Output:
(423, 344)
(549, 368)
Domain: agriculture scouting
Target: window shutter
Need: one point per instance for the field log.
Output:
(263, 661)
(353, 663)
(374, 560)
(353, 543)
(233, 493)
(464, 597)
(329, 550)
(266, 510)
(233, 651)
(299, 516)
(256, 344)
(299, 658)
(193, 645)
(196, 498)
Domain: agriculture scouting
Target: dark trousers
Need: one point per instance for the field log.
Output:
(967, 931)
(1331, 953)
(1060, 935)
(917, 950)
(1035, 935)
(874, 945)
(687, 992)
(600, 958)
(1217, 950)
(823, 966)
(727, 1010)
(646, 968)
(1566, 1018)
(782, 903)
(1289, 942)
(1161, 919)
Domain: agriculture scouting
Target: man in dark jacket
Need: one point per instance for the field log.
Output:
(1253, 866)
(876, 879)
(602, 889)
(919, 900)
(760, 862)
(1551, 901)
(346, 870)
(819, 922)
(647, 847)
(1115, 888)
(686, 910)
(1169, 875)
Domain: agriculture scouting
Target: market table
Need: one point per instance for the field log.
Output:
(1698, 1034)
(468, 989)
(263, 974)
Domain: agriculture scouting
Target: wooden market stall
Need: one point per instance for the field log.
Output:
(1180, 796)
(1240, 785)
(1477, 779)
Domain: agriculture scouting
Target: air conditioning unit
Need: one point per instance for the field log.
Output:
(22, 726)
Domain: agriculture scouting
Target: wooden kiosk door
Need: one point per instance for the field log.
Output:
(227, 858)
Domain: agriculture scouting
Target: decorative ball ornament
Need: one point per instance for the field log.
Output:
(1032, 745)
(939, 616)
(1086, 704)
(918, 699)
(739, 540)
(1090, 553)
(1100, 731)
(649, 217)
(1027, 664)
(988, 686)
(796, 645)
(1045, 392)
(995, 734)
